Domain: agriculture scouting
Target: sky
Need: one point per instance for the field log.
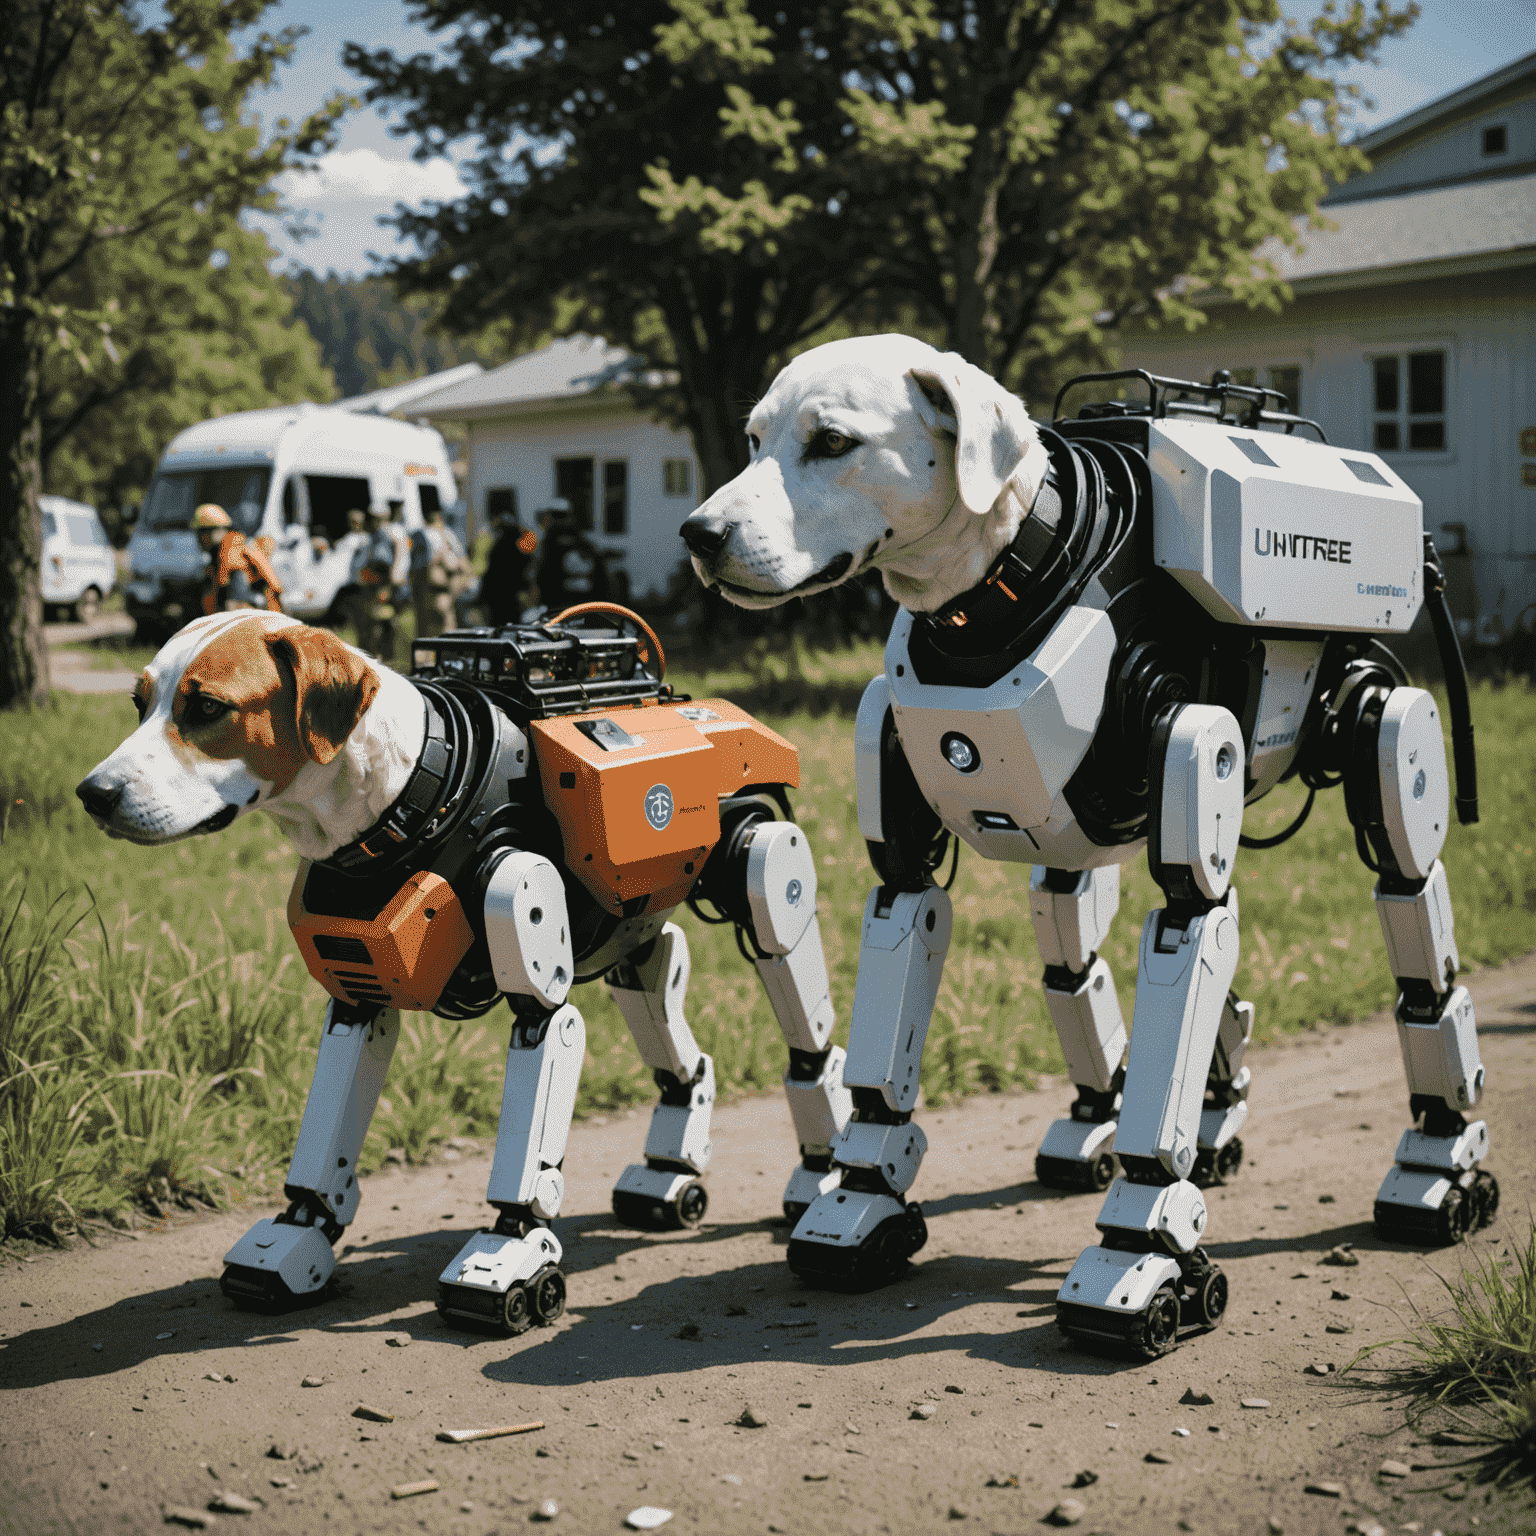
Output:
(1453, 43)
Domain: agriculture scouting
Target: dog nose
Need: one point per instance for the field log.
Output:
(703, 539)
(100, 802)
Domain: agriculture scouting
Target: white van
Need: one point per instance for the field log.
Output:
(79, 566)
(287, 476)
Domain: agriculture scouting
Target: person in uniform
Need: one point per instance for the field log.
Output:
(239, 573)
(506, 571)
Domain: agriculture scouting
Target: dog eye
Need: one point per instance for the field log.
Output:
(140, 706)
(755, 440)
(830, 444)
(204, 710)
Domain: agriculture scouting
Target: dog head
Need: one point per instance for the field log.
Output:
(231, 710)
(876, 452)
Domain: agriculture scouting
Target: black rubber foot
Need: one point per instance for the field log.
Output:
(510, 1313)
(1096, 1174)
(1469, 1205)
(259, 1290)
(647, 1214)
(1216, 1167)
(1195, 1304)
(881, 1259)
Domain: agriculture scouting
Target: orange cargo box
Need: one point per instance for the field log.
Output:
(637, 791)
(400, 959)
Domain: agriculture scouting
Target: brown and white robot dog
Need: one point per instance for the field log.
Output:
(1105, 645)
(406, 799)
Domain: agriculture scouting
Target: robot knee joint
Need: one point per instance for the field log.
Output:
(527, 930)
(893, 1152)
(1397, 788)
(1419, 930)
(781, 885)
(1440, 1055)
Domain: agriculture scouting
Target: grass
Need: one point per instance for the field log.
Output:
(1473, 1363)
(159, 1031)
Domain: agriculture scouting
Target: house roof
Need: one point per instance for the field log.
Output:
(1387, 136)
(1465, 227)
(571, 369)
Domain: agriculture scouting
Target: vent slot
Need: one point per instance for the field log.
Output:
(343, 947)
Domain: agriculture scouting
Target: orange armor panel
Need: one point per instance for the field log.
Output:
(637, 791)
(400, 959)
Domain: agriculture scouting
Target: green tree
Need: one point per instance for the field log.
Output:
(123, 129)
(718, 183)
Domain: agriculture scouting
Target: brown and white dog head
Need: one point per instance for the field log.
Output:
(878, 451)
(255, 710)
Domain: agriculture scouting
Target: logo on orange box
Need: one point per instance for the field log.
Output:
(658, 806)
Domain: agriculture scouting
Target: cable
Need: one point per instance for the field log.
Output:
(1244, 841)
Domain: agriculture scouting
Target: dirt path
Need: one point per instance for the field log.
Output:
(109, 1415)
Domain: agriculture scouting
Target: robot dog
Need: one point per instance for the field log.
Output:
(1145, 655)
(523, 813)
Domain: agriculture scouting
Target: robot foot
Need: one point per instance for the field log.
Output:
(659, 1199)
(1215, 1165)
(1140, 1304)
(855, 1240)
(278, 1266)
(1432, 1209)
(815, 1177)
(1077, 1155)
(505, 1284)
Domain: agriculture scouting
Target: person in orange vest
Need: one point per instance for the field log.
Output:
(239, 573)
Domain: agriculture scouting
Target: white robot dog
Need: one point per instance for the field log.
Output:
(1115, 634)
(524, 812)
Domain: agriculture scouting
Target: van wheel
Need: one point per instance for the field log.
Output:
(87, 606)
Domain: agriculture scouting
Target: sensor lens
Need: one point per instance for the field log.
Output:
(960, 753)
(1224, 761)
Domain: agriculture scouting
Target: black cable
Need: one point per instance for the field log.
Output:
(1462, 749)
(954, 866)
(1244, 841)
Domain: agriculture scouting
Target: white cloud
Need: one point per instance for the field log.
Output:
(364, 175)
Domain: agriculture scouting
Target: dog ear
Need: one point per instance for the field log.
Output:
(333, 687)
(995, 441)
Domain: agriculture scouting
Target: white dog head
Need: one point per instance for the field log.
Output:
(881, 452)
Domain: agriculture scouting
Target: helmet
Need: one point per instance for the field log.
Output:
(211, 516)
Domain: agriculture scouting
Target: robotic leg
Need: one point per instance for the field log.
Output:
(1072, 911)
(1399, 801)
(288, 1260)
(1149, 1278)
(781, 897)
(664, 1191)
(1226, 1092)
(508, 1276)
(860, 1235)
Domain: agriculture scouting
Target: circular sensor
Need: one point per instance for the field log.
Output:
(960, 752)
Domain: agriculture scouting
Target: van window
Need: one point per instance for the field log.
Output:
(50, 525)
(331, 497)
(87, 531)
(174, 496)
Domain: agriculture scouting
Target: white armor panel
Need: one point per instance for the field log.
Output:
(679, 1133)
(820, 1106)
(537, 1098)
(1420, 931)
(893, 1151)
(1415, 787)
(873, 703)
(1071, 925)
(1202, 796)
(1290, 668)
(526, 929)
(1090, 1027)
(993, 761)
(1442, 1058)
(654, 1011)
(1268, 529)
(1174, 1212)
(781, 885)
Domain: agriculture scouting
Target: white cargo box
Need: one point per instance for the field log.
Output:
(1282, 532)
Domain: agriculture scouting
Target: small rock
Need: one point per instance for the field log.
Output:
(180, 1514)
(98, 1346)
(1281, 1206)
(410, 1490)
(1183, 1434)
(630, 1455)
(1341, 1256)
(212, 1376)
(1275, 1528)
(1002, 1480)
(1366, 1528)
(850, 1428)
(170, 1335)
(688, 1331)
(1339, 1296)
(1325, 1200)
(647, 1518)
(1199, 1396)
(1326, 1490)
(752, 1418)
(1068, 1512)
(1085, 1479)
(1338, 1328)
(231, 1503)
(1392, 1469)
(1158, 1458)
(373, 1415)
(313, 1381)
(735, 1311)
(466, 1508)
(924, 1411)
(1255, 1402)
(282, 1482)
(957, 1513)
(954, 1389)
(281, 1450)
(1318, 1368)
(816, 1477)
(546, 1511)
(397, 1340)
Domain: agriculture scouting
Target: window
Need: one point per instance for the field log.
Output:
(50, 525)
(331, 497)
(676, 477)
(574, 482)
(1495, 139)
(615, 496)
(1409, 401)
(86, 531)
(242, 493)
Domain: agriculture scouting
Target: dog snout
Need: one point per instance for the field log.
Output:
(704, 537)
(100, 800)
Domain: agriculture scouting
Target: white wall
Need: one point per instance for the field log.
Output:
(1487, 324)
(521, 451)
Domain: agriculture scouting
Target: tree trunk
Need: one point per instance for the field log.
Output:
(23, 656)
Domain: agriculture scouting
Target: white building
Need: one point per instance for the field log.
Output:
(1413, 332)
(557, 422)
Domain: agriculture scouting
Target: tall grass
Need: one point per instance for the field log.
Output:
(159, 1032)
